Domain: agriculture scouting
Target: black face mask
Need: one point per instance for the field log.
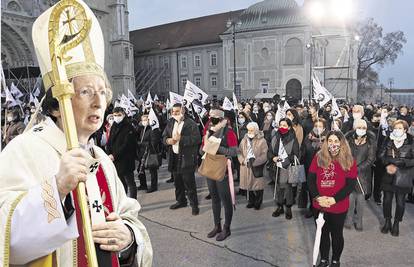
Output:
(215, 121)
(376, 124)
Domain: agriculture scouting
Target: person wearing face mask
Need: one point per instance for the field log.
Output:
(105, 131)
(148, 143)
(182, 138)
(14, 126)
(242, 120)
(293, 115)
(121, 150)
(253, 154)
(311, 145)
(257, 115)
(397, 154)
(332, 177)
(363, 147)
(284, 193)
(357, 113)
(310, 120)
(266, 107)
(268, 126)
(217, 128)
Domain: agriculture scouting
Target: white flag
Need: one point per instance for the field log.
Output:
(34, 100)
(149, 100)
(156, 98)
(153, 120)
(131, 96)
(175, 99)
(282, 154)
(188, 97)
(321, 94)
(281, 112)
(227, 105)
(168, 104)
(198, 94)
(36, 92)
(336, 112)
(9, 96)
(200, 110)
(235, 102)
(15, 91)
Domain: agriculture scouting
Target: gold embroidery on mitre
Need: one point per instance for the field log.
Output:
(50, 202)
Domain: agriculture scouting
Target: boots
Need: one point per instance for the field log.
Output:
(215, 231)
(288, 214)
(252, 198)
(224, 234)
(259, 199)
(142, 181)
(396, 228)
(323, 263)
(387, 226)
(279, 211)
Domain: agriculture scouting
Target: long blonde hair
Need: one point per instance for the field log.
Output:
(344, 158)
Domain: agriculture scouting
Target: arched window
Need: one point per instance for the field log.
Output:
(13, 5)
(293, 52)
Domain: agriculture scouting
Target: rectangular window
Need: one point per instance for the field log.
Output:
(167, 84)
(166, 62)
(126, 51)
(183, 62)
(183, 82)
(238, 90)
(213, 59)
(264, 87)
(198, 81)
(214, 81)
(197, 61)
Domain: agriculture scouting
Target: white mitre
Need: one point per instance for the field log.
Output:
(86, 58)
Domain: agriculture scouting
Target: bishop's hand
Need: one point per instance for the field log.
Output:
(72, 170)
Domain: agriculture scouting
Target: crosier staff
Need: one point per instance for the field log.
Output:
(68, 26)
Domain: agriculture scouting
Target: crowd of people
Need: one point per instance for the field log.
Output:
(365, 152)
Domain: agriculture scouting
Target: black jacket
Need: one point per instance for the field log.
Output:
(273, 150)
(311, 145)
(404, 158)
(122, 145)
(148, 141)
(365, 156)
(187, 158)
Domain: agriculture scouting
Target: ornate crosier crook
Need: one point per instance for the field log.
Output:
(69, 25)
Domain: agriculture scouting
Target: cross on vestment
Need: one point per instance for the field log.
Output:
(96, 206)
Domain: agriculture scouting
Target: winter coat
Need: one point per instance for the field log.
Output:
(148, 142)
(311, 145)
(247, 180)
(122, 145)
(288, 140)
(364, 156)
(187, 158)
(404, 158)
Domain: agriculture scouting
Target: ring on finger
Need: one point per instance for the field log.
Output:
(112, 241)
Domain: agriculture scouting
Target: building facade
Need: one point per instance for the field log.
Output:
(276, 50)
(17, 51)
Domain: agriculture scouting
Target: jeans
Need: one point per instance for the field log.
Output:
(356, 204)
(220, 194)
(387, 205)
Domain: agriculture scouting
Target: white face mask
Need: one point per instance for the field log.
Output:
(242, 120)
(145, 123)
(250, 135)
(361, 132)
(357, 116)
(398, 132)
(9, 118)
(177, 117)
(118, 119)
(266, 109)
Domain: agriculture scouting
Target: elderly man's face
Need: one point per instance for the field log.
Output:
(89, 103)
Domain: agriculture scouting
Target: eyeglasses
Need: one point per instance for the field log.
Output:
(89, 93)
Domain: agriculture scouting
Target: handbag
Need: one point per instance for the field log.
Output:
(152, 162)
(213, 167)
(258, 170)
(296, 172)
(404, 177)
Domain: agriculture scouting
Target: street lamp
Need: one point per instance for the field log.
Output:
(391, 83)
(309, 46)
(232, 23)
